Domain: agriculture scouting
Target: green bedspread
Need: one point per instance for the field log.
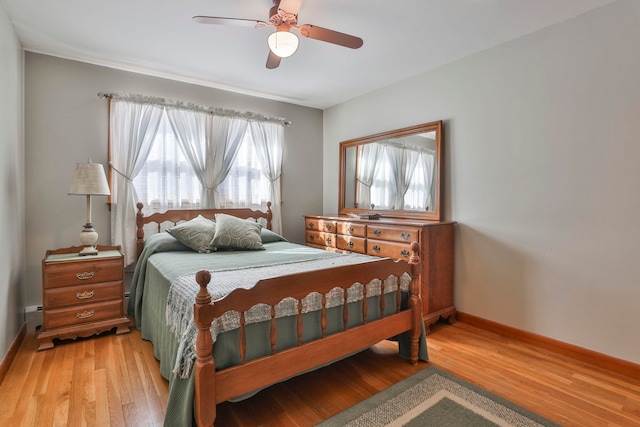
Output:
(164, 259)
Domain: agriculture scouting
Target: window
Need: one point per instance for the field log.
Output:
(148, 164)
(167, 180)
(245, 186)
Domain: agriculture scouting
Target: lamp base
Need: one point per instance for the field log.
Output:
(88, 237)
(88, 250)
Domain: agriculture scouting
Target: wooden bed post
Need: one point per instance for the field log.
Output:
(205, 366)
(269, 215)
(139, 230)
(415, 302)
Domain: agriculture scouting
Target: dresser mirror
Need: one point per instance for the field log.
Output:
(394, 174)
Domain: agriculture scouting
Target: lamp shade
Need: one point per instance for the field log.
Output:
(283, 43)
(89, 179)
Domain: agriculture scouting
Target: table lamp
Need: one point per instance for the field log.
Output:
(89, 180)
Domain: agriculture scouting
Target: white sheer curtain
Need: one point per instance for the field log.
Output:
(167, 180)
(420, 192)
(268, 143)
(383, 188)
(224, 135)
(403, 164)
(191, 128)
(369, 158)
(133, 127)
(428, 160)
(185, 163)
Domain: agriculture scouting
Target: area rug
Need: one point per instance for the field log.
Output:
(435, 398)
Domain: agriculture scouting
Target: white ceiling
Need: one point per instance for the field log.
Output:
(401, 39)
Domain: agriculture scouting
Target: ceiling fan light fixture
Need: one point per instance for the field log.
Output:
(283, 43)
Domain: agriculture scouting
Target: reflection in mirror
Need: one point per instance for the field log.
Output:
(396, 174)
(393, 173)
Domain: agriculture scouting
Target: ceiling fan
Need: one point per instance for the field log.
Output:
(283, 43)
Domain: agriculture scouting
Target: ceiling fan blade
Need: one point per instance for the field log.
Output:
(273, 61)
(330, 36)
(227, 21)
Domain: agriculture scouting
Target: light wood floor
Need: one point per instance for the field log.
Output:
(114, 381)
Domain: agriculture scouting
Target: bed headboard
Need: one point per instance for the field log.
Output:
(178, 215)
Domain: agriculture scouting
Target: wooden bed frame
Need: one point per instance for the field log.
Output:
(213, 387)
(177, 215)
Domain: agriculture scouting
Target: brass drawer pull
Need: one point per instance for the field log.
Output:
(377, 232)
(86, 314)
(85, 294)
(328, 240)
(376, 248)
(311, 237)
(86, 275)
(328, 227)
(311, 225)
(350, 244)
(405, 235)
(350, 230)
(404, 253)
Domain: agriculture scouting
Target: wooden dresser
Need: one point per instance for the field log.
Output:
(82, 295)
(392, 238)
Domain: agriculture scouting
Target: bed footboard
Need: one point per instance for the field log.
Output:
(213, 387)
(205, 366)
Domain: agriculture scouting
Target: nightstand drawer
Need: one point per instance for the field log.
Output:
(82, 273)
(83, 294)
(389, 249)
(82, 314)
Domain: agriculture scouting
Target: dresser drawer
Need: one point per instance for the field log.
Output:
(389, 249)
(83, 294)
(321, 239)
(351, 229)
(81, 314)
(353, 244)
(393, 234)
(321, 225)
(82, 273)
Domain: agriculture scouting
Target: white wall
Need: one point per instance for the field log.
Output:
(66, 123)
(11, 185)
(542, 172)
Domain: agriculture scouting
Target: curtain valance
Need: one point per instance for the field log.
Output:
(181, 105)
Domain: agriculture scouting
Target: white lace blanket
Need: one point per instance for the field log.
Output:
(183, 290)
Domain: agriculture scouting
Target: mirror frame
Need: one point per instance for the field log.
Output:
(433, 215)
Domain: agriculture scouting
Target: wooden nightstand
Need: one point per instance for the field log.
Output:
(82, 295)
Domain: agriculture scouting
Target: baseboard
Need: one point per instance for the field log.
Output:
(13, 351)
(619, 366)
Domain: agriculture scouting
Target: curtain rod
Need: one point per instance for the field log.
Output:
(143, 99)
(394, 143)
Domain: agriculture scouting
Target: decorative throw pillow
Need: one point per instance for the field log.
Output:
(196, 233)
(269, 236)
(236, 233)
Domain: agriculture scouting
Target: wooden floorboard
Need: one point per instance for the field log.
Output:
(114, 380)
